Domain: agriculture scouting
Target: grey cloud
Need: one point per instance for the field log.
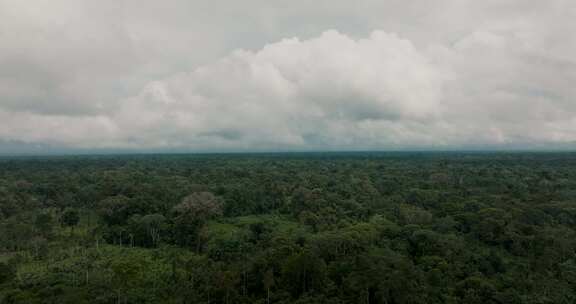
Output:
(271, 75)
(57, 59)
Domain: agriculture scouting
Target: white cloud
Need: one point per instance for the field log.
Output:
(187, 75)
(290, 93)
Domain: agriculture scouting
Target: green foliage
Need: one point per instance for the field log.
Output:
(374, 228)
(7, 273)
(70, 218)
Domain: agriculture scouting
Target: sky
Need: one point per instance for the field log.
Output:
(297, 75)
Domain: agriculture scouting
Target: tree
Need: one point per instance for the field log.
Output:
(70, 218)
(304, 272)
(7, 273)
(127, 272)
(200, 205)
(147, 230)
(268, 282)
(44, 224)
(190, 216)
(114, 210)
(476, 290)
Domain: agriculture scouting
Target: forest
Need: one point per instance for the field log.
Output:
(358, 227)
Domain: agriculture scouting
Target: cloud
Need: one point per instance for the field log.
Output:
(57, 59)
(290, 93)
(191, 76)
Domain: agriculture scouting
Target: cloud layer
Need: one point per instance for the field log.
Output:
(118, 75)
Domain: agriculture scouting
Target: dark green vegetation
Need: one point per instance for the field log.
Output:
(303, 228)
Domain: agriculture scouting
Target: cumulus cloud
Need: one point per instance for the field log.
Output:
(291, 92)
(464, 74)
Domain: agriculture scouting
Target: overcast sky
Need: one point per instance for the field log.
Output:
(274, 75)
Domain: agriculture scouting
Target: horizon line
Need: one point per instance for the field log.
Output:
(272, 152)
